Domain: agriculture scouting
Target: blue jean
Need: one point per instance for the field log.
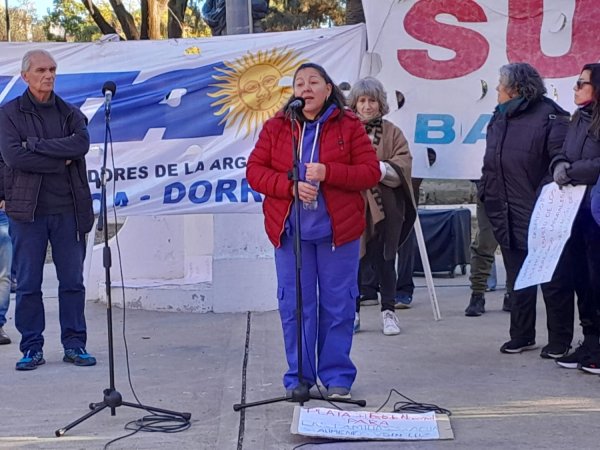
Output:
(5, 263)
(329, 289)
(30, 242)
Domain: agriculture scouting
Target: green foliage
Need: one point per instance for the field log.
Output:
(288, 15)
(194, 25)
(24, 25)
(70, 21)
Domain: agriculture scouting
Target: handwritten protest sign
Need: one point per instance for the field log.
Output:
(549, 230)
(336, 424)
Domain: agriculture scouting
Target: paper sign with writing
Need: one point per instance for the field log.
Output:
(336, 424)
(549, 230)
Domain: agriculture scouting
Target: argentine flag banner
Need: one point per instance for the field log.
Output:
(186, 112)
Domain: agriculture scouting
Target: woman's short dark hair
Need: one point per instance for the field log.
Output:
(594, 69)
(370, 87)
(336, 97)
(523, 79)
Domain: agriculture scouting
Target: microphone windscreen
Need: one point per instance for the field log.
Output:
(298, 103)
(109, 86)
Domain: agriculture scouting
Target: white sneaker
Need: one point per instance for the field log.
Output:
(391, 324)
(356, 322)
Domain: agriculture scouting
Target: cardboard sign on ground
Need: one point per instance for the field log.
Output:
(337, 424)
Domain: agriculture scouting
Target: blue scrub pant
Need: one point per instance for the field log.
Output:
(30, 241)
(329, 290)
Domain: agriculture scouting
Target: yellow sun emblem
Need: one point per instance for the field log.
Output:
(250, 88)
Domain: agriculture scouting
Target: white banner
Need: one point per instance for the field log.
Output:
(549, 231)
(444, 56)
(186, 112)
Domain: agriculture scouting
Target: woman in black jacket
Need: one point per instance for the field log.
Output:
(579, 164)
(525, 133)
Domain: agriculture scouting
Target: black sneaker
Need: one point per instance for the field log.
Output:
(368, 300)
(554, 351)
(575, 359)
(591, 364)
(30, 360)
(476, 305)
(507, 302)
(4, 339)
(79, 357)
(517, 346)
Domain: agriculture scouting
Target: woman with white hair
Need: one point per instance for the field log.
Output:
(390, 205)
(525, 134)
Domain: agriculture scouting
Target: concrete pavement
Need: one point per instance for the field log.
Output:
(196, 362)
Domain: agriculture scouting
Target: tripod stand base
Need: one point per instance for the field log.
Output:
(112, 400)
(299, 395)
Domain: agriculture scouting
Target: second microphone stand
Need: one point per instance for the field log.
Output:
(112, 398)
(301, 393)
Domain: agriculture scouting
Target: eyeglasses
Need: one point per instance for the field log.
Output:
(580, 83)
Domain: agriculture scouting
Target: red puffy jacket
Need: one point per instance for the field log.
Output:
(351, 164)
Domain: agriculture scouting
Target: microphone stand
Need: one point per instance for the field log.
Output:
(112, 398)
(301, 393)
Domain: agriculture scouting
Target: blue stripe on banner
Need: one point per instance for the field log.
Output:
(177, 101)
(3, 82)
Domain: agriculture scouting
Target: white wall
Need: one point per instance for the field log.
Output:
(194, 263)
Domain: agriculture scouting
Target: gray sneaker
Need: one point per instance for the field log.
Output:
(4, 339)
(339, 393)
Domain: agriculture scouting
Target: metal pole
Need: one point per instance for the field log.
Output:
(250, 20)
(7, 17)
(237, 13)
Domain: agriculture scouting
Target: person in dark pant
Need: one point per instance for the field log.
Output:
(405, 263)
(405, 266)
(44, 185)
(483, 250)
(579, 265)
(526, 131)
(390, 205)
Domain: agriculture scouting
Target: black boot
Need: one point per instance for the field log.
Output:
(507, 303)
(476, 305)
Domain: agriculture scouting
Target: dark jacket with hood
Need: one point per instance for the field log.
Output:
(26, 155)
(582, 150)
(523, 137)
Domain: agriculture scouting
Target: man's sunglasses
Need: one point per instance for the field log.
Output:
(580, 83)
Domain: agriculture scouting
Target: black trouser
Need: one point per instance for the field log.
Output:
(406, 265)
(374, 270)
(559, 296)
(522, 313)
(580, 262)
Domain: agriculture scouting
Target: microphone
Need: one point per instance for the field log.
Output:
(296, 104)
(108, 90)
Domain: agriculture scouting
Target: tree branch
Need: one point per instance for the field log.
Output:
(97, 17)
(126, 20)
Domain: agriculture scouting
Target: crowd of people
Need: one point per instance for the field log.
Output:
(357, 166)
(339, 208)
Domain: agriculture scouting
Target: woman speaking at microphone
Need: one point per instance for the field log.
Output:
(337, 162)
